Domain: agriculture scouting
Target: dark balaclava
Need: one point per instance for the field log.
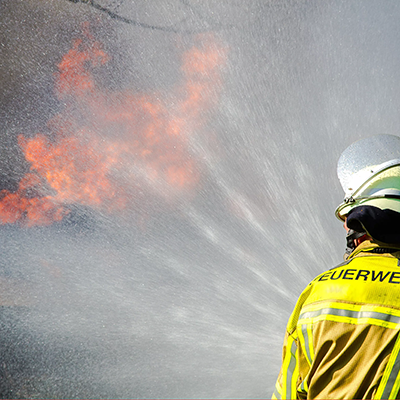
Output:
(382, 225)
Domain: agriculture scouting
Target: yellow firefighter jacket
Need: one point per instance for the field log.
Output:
(342, 339)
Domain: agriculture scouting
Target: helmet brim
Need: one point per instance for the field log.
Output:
(381, 202)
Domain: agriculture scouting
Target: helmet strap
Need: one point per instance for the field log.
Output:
(351, 237)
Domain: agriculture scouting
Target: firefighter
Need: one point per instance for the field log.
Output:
(342, 340)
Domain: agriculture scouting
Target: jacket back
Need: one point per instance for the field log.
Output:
(342, 339)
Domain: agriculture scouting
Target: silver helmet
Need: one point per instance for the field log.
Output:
(369, 172)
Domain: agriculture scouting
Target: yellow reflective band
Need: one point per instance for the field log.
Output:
(305, 383)
(303, 389)
(351, 313)
(390, 383)
(310, 341)
(278, 391)
(351, 307)
(305, 342)
(304, 386)
(290, 370)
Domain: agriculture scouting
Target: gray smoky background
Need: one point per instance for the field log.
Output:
(180, 293)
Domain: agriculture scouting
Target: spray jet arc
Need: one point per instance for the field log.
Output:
(113, 151)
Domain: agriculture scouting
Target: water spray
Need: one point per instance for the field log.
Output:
(130, 21)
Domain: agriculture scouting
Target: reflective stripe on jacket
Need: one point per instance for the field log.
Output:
(342, 339)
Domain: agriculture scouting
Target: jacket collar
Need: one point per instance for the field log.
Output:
(370, 247)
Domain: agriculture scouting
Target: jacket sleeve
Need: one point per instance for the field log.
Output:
(287, 382)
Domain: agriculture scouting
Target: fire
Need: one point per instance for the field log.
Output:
(106, 149)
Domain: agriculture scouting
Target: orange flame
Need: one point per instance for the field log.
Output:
(106, 147)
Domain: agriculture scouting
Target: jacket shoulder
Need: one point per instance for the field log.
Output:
(370, 279)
